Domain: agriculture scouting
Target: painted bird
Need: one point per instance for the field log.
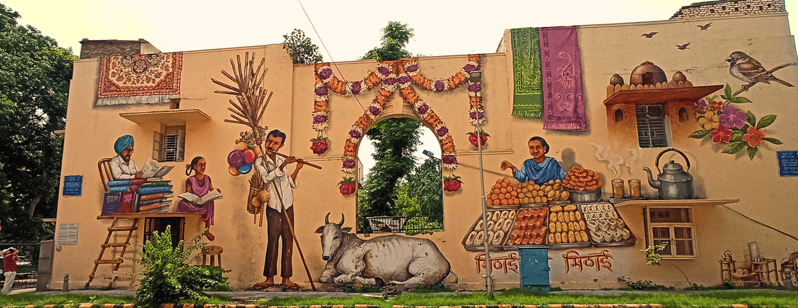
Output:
(704, 27)
(682, 47)
(649, 35)
(748, 69)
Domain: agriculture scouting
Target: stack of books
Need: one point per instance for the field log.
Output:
(154, 196)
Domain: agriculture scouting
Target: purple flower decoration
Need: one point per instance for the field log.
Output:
(439, 86)
(374, 110)
(733, 118)
(349, 164)
(389, 81)
(319, 119)
(404, 79)
(476, 115)
(325, 73)
(469, 68)
(423, 109)
(701, 105)
(356, 87)
(322, 91)
(475, 87)
(449, 159)
(383, 70)
(412, 68)
(355, 134)
(443, 131)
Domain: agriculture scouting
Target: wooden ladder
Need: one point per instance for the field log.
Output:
(118, 261)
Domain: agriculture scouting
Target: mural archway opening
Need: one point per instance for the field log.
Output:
(401, 180)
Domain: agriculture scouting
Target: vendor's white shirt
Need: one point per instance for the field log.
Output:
(122, 171)
(282, 179)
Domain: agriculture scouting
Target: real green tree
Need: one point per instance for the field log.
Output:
(300, 48)
(395, 37)
(34, 83)
(394, 142)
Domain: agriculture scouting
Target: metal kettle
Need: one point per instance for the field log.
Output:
(672, 181)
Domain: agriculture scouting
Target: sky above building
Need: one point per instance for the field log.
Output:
(347, 28)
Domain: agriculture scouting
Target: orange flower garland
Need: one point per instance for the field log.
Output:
(388, 76)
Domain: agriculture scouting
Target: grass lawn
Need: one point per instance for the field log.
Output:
(713, 298)
(755, 298)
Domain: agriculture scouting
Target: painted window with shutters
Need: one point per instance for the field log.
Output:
(651, 126)
(170, 144)
(673, 227)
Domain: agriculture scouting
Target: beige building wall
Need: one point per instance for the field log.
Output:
(605, 50)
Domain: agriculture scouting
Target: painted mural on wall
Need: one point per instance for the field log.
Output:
(200, 194)
(271, 186)
(735, 130)
(547, 77)
(643, 110)
(139, 79)
(583, 224)
(391, 259)
(726, 125)
(505, 264)
(598, 260)
(390, 76)
(129, 189)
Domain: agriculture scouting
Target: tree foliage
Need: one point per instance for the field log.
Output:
(395, 37)
(394, 141)
(424, 185)
(168, 276)
(300, 48)
(34, 83)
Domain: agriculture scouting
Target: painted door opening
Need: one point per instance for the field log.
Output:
(402, 189)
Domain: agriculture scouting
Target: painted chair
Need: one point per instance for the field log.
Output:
(104, 165)
(745, 275)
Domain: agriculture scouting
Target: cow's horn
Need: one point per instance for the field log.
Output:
(327, 218)
(342, 220)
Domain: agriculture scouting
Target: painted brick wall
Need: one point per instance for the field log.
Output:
(729, 8)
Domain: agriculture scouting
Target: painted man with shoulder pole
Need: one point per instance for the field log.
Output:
(280, 210)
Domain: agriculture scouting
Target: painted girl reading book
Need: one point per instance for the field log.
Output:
(198, 186)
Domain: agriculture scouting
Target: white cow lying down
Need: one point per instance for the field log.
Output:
(393, 259)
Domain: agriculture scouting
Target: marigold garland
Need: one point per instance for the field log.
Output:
(389, 76)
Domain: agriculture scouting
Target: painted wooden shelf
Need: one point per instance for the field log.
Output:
(656, 96)
(167, 117)
(676, 202)
(143, 215)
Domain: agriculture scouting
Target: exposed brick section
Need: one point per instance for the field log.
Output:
(730, 8)
(107, 48)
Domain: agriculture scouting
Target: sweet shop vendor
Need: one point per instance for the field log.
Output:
(539, 168)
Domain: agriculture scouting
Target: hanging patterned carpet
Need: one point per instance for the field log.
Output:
(528, 93)
(562, 79)
(139, 79)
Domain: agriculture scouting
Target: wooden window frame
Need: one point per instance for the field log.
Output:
(671, 225)
(645, 125)
(160, 144)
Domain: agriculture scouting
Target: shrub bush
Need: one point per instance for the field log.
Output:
(168, 276)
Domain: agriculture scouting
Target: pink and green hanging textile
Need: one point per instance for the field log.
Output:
(562, 79)
(527, 90)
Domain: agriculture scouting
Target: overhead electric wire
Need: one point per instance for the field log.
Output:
(328, 54)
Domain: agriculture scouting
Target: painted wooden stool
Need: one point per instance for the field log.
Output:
(213, 252)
